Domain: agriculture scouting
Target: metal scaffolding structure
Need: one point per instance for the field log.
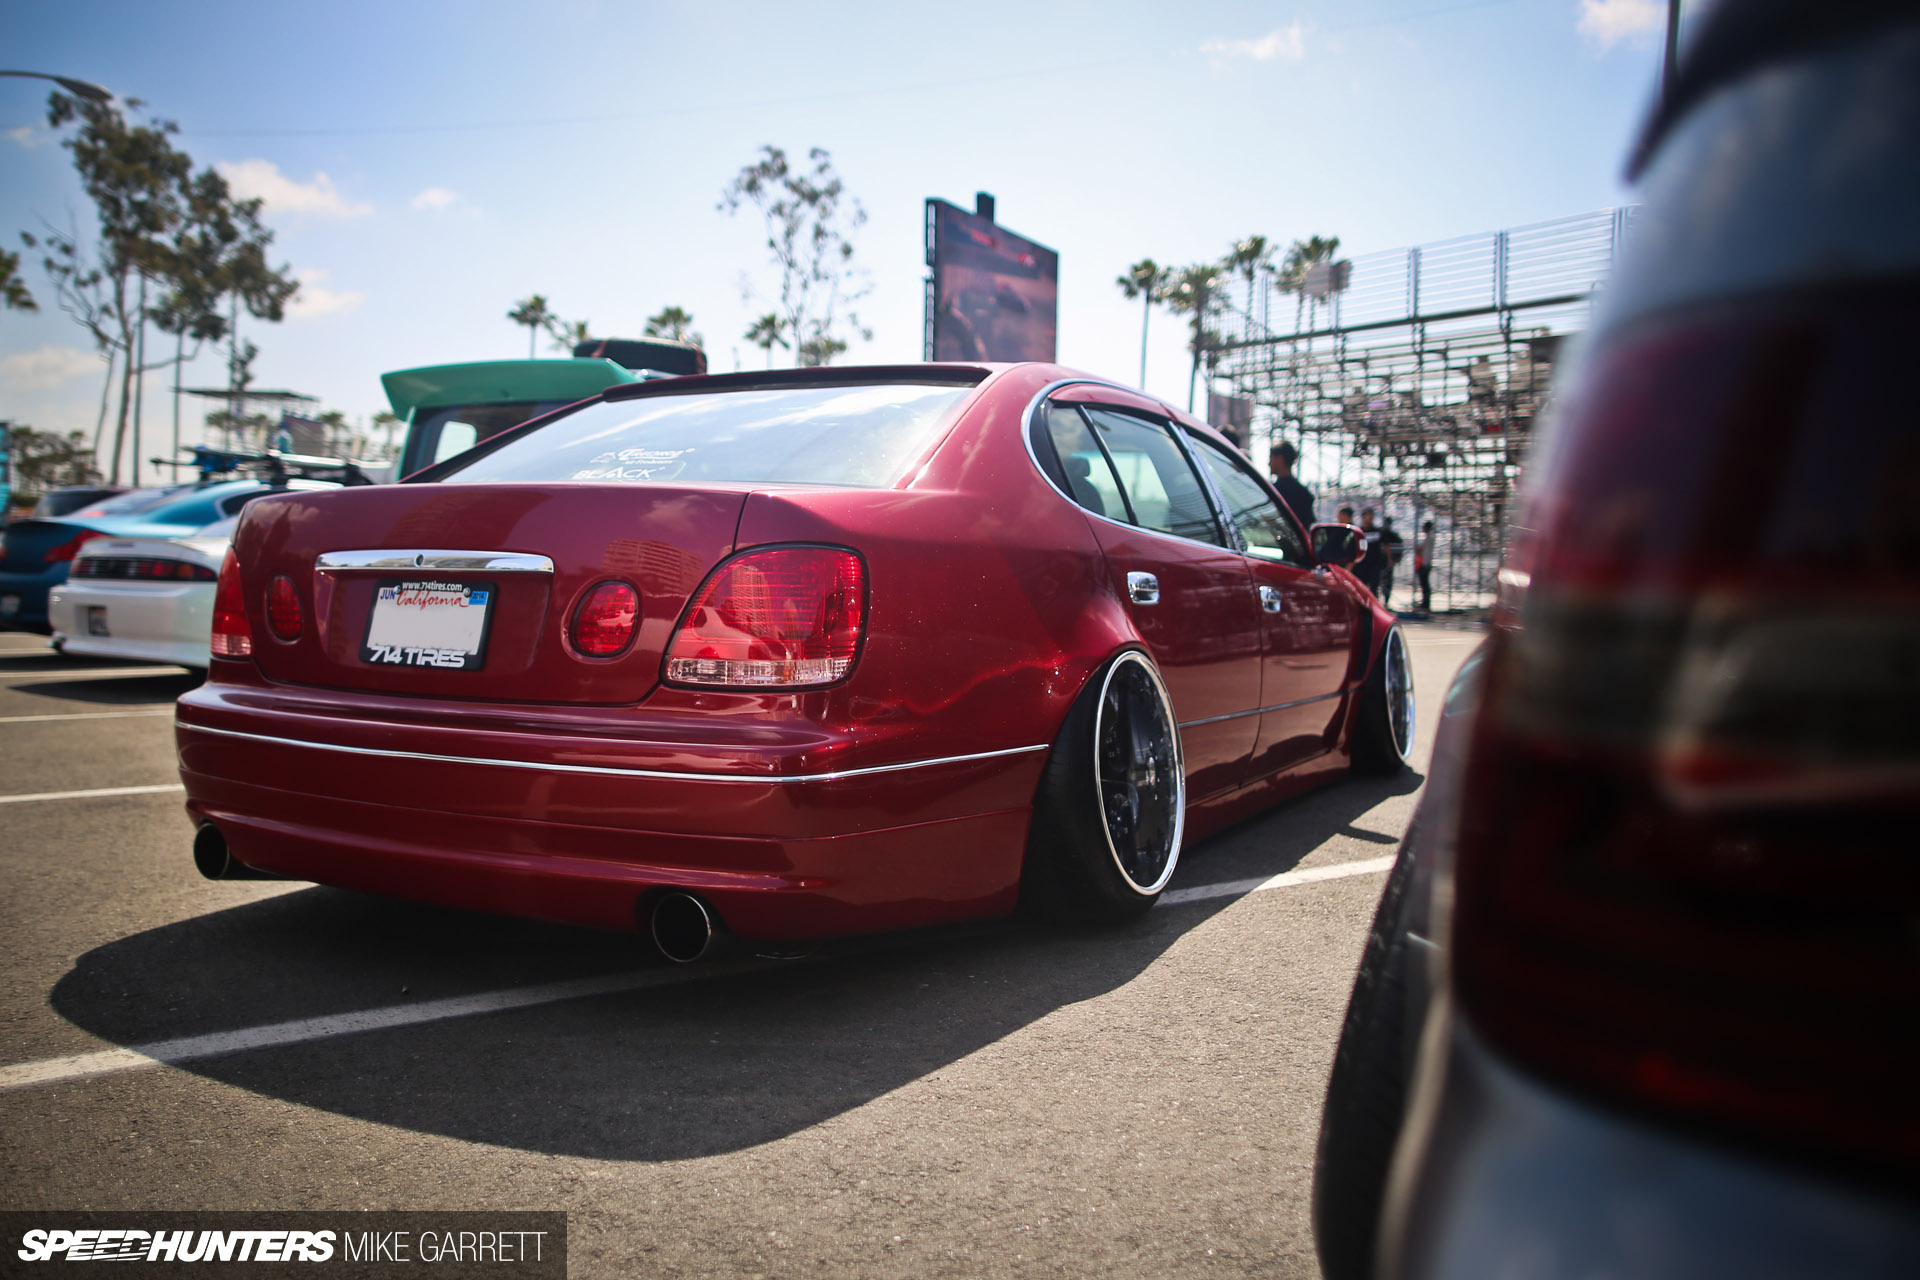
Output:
(1411, 379)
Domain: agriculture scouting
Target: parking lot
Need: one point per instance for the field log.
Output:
(989, 1101)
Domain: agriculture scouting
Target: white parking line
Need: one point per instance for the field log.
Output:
(303, 1030)
(96, 793)
(88, 715)
(1285, 880)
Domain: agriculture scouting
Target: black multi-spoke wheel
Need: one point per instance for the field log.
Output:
(1112, 804)
(1137, 774)
(1383, 736)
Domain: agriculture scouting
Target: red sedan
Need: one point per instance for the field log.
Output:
(800, 654)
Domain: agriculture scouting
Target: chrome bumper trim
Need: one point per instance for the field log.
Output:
(479, 561)
(607, 770)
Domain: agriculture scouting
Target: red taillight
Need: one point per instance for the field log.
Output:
(232, 638)
(604, 623)
(1687, 872)
(785, 617)
(283, 608)
(71, 547)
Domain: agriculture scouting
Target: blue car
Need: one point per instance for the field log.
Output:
(39, 552)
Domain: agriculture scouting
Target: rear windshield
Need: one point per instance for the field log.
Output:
(130, 503)
(863, 436)
(440, 433)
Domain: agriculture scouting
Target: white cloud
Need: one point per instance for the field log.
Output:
(435, 199)
(51, 366)
(1282, 42)
(315, 299)
(28, 135)
(1610, 21)
(282, 194)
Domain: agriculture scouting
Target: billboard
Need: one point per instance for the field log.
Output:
(992, 295)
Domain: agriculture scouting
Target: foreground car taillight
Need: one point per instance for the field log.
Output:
(283, 608)
(232, 638)
(1688, 873)
(783, 617)
(604, 623)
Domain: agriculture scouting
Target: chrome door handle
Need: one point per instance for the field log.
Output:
(1143, 588)
(1271, 600)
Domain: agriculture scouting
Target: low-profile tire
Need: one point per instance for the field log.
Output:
(1383, 733)
(1366, 1094)
(1111, 806)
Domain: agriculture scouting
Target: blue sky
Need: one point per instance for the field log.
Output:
(428, 164)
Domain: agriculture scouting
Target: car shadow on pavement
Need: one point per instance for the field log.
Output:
(114, 691)
(706, 1062)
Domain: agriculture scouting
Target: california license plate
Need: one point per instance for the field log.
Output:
(422, 622)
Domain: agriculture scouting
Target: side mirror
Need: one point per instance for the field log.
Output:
(1340, 544)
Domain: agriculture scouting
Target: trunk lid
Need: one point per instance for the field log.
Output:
(340, 548)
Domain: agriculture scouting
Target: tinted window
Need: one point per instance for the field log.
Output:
(438, 434)
(1160, 485)
(862, 436)
(1266, 529)
(1089, 479)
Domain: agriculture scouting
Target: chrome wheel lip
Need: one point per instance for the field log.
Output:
(1397, 673)
(1136, 658)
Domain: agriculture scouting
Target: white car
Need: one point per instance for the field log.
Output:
(143, 598)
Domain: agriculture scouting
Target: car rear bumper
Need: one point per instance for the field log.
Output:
(158, 622)
(579, 828)
(1512, 1176)
(23, 598)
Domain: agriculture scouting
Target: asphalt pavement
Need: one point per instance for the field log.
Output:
(993, 1101)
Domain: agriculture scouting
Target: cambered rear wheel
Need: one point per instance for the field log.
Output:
(1111, 806)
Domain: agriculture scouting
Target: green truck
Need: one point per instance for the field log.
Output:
(449, 408)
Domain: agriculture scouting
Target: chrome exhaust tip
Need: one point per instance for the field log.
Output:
(683, 927)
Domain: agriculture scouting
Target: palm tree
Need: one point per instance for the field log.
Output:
(1145, 279)
(1247, 257)
(567, 334)
(766, 332)
(1192, 293)
(1302, 257)
(675, 323)
(534, 313)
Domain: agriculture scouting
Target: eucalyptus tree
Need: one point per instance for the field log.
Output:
(1145, 280)
(14, 294)
(567, 334)
(810, 223)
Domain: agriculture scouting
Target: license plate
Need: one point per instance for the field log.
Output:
(9, 605)
(97, 620)
(425, 622)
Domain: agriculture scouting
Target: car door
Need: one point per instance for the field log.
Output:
(1307, 619)
(1190, 595)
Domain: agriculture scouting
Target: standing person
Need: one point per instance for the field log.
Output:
(1373, 564)
(1395, 546)
(1423, 566)
(1345, 516)
(1299, 498)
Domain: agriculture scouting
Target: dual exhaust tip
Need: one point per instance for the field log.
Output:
(682, 927)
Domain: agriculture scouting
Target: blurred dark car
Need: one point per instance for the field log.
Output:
(60, 502)
(1643, 994)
